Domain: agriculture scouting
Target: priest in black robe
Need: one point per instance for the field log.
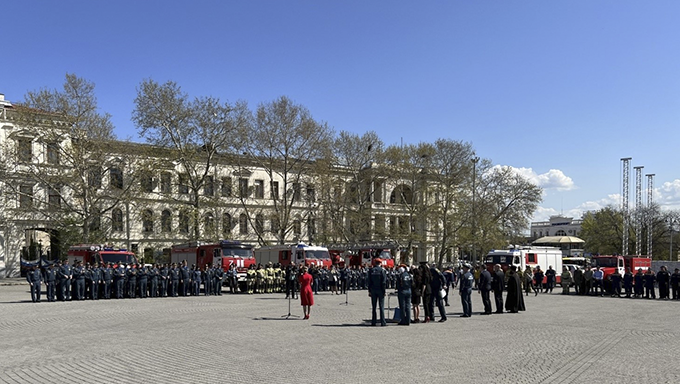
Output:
(514, 301)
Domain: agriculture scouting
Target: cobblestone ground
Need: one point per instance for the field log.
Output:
(245, 339)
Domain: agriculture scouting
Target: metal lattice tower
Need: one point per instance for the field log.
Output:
(638, 209)
(650, 206)
(624, 203)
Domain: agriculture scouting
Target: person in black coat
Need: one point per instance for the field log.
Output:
(498, 285)
(485, 289)
(437, 284)
(663, 279)
(514, 302)
(425, 280)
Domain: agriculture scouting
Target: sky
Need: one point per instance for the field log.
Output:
(560, 90)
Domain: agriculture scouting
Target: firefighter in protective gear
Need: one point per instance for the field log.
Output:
(269, 275)
(259, 279)
(250, 278)
(278, 278)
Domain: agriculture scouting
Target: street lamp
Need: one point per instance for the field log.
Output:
(474, 218)
(671, 222)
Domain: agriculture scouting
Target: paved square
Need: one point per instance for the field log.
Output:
(244, 339)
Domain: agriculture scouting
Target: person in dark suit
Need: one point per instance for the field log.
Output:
(514, 302)
(377, 284)
(425, 280)
(437, 284)
(498, 285)
(485, 289)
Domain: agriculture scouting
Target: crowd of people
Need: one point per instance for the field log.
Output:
(66, 282)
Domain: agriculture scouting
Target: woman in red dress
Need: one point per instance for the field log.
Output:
(306, 294)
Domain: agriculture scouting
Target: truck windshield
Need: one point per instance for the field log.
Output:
(118, 258)
(604, 262)
(317, 255)
(385, 255)
(499, 259)
(239, 252)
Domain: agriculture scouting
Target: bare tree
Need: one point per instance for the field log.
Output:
(198, 132)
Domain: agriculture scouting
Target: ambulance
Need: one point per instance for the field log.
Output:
(531, 256)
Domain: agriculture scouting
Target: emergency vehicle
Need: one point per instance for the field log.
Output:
(102, 254)
(365, 253)
(531, 256)
(223, 253)
(294, 254)
(608, 264)
(571, 262)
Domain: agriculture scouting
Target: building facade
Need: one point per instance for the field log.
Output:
(556, 226)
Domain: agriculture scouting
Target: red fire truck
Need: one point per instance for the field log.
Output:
(608, 264)
(365, 253)
(531, 256)
(295, 254)
(223, 253)
(95, 253)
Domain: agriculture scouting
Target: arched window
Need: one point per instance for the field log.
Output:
(259, 223)
(226, 225)
(209, 223)
(243, 224)
(147, 220)
(117, 220)
(560, 233)
(183, 225)
(402, 194)
(166, 221)
(297, 227)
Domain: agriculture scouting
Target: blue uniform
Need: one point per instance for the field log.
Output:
(51, 282)
(377, 283)
(119, 275)
(34, 278)
(79, 277)
(65, 276)
(465, 286)
(404, 283)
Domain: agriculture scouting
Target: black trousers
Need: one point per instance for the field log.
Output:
(486, 301)
(498, 297)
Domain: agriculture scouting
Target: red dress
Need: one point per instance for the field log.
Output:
(306, 293)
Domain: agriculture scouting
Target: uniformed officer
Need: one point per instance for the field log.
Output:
(164, 274)
(232, 276)
(132, 281)
(259, 279)
(51, 282)
(377, 283)
(196, 279)
(250, 278)
(662, 279)
(174, 280)
(269, 275)
(639, 281)
(107, 278)
(278, 278)
(79, 278)
(628, 282)
(404, 282)
(184, 278)
(95, 280)
(34, 278)
(154, 275)
(119, 279)
(142, 280)
(465, 290)
(615, 279)
(650, 279)
(65, 280)
(218, 276)
(207, 280)
(675, 284)
(291, 276)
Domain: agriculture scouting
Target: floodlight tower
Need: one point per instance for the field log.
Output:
(650, 206)
(626, 188)
(638, 209)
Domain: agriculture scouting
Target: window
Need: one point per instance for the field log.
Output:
(259, 223)
(183, 222)
(401, 195)
(146, 181)
(166, 221)
(243, 187)
(380, 224)
(209, 224)
(226, 187)
(311, 194)
(296, 191)
(531, 258)
(259, 189)
(117, 220)
(311, 228)
(275, 190)
(166, 182)
(297, 227)
(243, 224)
(52, 153)
(147, 220)
(25, 150)
(54, 197)
(26, 196)
(403, 225)
(393, 226)
(95, 223)
(94, 177)
(208, 186)
(378, 192)
(226, 225)
(275, 224)
(116, 176)
(183, 184)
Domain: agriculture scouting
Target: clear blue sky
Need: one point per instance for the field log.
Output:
(560, 90)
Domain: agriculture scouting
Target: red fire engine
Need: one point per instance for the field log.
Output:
(365, 253)
(295, 254)
(223, 253)
(608, 264)
(102, 254)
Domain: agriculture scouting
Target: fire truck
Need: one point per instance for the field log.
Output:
(294, 254)
(223, 253)
(96, 253)
(531, 256)
(365, 253)
(608, 264)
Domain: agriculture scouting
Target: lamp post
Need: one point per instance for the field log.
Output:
(671, 222)
(475, 159)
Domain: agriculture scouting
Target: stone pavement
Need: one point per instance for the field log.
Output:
(245, 339)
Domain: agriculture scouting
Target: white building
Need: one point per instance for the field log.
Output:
(556, 226)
